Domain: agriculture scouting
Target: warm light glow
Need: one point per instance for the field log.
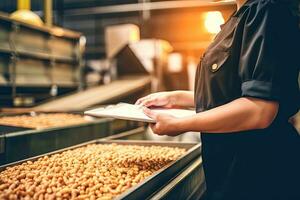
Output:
(213, 20)
(135, 36)
(27, 16)
(58, 31)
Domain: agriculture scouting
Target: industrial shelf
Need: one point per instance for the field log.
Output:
(34, 57)
(64, 33)
(38, 55)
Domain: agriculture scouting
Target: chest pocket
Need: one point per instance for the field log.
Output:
(215, 60)
(218, 52)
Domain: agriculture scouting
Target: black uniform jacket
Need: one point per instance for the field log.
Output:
(257, 55)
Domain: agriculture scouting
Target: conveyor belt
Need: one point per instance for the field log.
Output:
(97, 95)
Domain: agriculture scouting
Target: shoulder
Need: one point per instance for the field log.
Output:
(277, 9)
(269, 4)
(272, 13)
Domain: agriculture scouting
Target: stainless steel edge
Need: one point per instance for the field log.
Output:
(126, 133)
(169, 187)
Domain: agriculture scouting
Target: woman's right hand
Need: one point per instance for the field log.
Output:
(159, 99)
(172, 99)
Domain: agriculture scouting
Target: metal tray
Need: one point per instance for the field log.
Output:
(188, 184)
(117, 125)
(134, 134)
(12, 128)
(4, 129)
(18, 143)
(144, 133)
(153, 183)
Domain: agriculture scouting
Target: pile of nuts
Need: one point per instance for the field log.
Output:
(97, 171)
(42, 121)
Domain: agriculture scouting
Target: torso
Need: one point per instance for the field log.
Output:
(249, 164)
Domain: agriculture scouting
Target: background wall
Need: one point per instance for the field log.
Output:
(183, 27)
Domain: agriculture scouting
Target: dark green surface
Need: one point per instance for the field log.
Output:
(118, 125)
(189, 184)
(28, 143)
(25, 144)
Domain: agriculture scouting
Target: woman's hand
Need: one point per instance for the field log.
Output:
(168, 99)
(165, 124)
(242, 114)
(159, 99)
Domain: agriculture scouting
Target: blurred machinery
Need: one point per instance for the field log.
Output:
(129, 55)
(123, 76)
(145, 57)
(24, 14)
(134, 56)
(46, 62)
(117, 36)
(36, 62)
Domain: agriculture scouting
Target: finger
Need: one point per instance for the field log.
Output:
(154, 129)
(139, 101)
(152, 126)
(150, 113)
(143, 100)
(150, 102)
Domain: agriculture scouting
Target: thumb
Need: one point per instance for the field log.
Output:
(150, 113)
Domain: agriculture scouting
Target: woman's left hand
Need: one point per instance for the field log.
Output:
(165, 124)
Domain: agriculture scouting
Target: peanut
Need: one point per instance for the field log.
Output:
(42, 121)
(98, 171)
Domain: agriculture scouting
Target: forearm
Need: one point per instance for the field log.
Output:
(239, 115)
(183, 98)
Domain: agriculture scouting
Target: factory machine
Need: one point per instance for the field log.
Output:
(41, 70)
(37, 63)
(63, 154)
(41, 81)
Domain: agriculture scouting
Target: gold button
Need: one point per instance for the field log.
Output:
(214, 66)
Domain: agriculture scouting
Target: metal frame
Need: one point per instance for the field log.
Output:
(15, 53)
(189, 184)
(135, 7)
(34, 142)
(153, 183)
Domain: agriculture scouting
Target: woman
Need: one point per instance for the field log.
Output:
(246, 91)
